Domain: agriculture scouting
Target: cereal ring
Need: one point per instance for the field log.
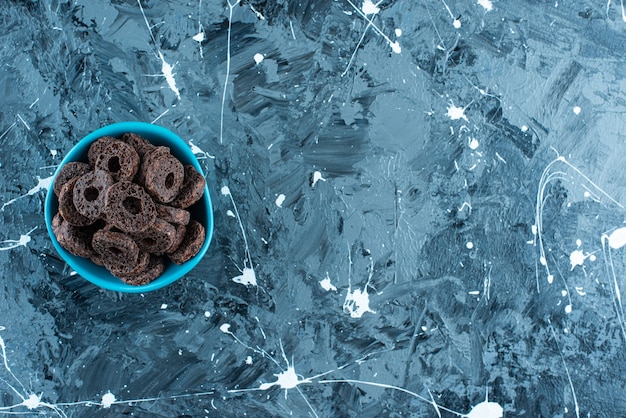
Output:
(192, 189)
(67, 208)
(153, 270)
(74, 239)
(173, 215)
(119, 270)
(129, 207)
(194, 238)
(163, 178)
(96, 148)
(154, 153)
(115, 248)
(181, 230)
(141, 144)
(119, 159)
(67, 172)
(89, 192)
(157, 238)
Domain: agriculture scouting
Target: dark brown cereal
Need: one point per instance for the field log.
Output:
(67, 172)
(173, 215)
(66, 206)
(141, 144)
(129, 207)
(75, 240)
(192, 189)
(154, 269)
(119, 159)
(150, 155)
(178, 238)
(157, 238)
(193, 241)
(119, 270)
(89, 193)
(163, 178)
(115, 248)
(96, 148)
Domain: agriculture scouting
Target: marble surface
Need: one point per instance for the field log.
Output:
(419, 208)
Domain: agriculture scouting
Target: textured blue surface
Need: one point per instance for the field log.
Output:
(418, 208)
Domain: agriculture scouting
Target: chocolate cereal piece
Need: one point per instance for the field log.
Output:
(154, 269)
(164, 176)
(129, 207)
(119, 159)
(96, 148)
(119, 270)
(194, 238)
(66, 206)
(76, 240)
(157, 238)
(181, 230)
(192, 189)
(141, 144)
(115, 248)
(67, 172)
(150, 155)
(173, 215)
(89, 193)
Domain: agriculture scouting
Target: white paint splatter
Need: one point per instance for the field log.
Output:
(207, 314)
(617, 238)
(486, 409)
(231, 6)
(230, 213)
(108, 399)
(167, 69)
(327, 285)
(369, 8)
(456, 113)
(469, 245)
(577, 110)
(199, 153)
(199, 37)
(42, 184)
(456, 23)
(373, 8)
(473, 143)
(317, 176)
(357, 303)
(249, 360)
(576, 258)
(280, 200)
(164, 306)
(246, 278)
(22, 242)
(258, 58)
(398, 32)
(32, 402)
(487, 4)
(395, 47)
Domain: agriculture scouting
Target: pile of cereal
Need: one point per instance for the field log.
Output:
(126, 208)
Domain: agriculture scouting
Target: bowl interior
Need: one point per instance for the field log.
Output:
(201, 211)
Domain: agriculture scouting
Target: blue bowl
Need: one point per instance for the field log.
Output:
(201, 211)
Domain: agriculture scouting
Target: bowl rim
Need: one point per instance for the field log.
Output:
(98, 275)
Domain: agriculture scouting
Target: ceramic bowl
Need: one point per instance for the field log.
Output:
(201, 211)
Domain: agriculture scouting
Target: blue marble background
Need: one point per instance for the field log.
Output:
(430, 196)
